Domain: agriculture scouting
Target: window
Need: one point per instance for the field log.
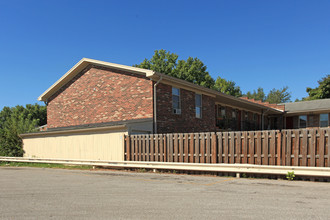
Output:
(198, 105)
(255, 117)
(234, 114)
(324, 120)
(221, 112)
(176, 100)
(302, 121)
(246, 116)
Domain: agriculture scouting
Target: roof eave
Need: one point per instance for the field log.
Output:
(156, 76)
(83, 63)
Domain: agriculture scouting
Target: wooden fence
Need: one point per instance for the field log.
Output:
(301, 147)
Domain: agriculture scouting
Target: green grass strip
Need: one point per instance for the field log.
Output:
(43, 165)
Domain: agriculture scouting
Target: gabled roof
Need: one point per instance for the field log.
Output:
(83, 63)
(308, 106)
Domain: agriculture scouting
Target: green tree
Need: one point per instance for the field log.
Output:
(15, 121)
(320, 92)
(279, 95)
(228, 87)
(161, 62)
(257, 95)
(192, 69)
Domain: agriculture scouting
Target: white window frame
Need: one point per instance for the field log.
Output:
(176, 110)
(200, 107)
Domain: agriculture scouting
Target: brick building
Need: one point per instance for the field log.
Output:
(96, 93)
(92, 107)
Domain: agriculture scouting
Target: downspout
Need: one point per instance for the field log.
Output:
(263, 119)
(155, 104)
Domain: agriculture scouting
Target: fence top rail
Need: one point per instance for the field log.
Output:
(309, 131)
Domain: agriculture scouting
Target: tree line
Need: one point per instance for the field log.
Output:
(195, 71)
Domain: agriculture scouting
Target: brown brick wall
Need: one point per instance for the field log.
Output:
(168, 122)
(98, 95)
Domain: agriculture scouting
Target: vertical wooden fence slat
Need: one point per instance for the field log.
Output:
(296, 148)
(321, 148)
(251, 147)
(245, 147)
(162, 139)
(288, 148)
(132, 149)
(148, 147)
(136, 158)
(128, 148)
(208, 148)
(176, 148)
(202, 147)
(279, 148)
(214, 148)
(164, 149)
(143, 148)
(258, 147)
(225, 146)
(186, 148)
(196, 147)
(219, 137)
(304, 148)
(191, 149)
(313, 147)
(171, 148)
(265, 148)
(181, 148)
(140, 148)
(272, 148)
(232, 147)
(284, 146)
(156, 148)
(152, 148)
(239, 146)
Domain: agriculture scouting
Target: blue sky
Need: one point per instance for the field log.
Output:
(254, 43)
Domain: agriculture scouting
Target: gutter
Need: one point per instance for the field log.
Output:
(155, 104)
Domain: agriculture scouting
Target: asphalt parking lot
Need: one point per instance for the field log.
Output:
(39, 193)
